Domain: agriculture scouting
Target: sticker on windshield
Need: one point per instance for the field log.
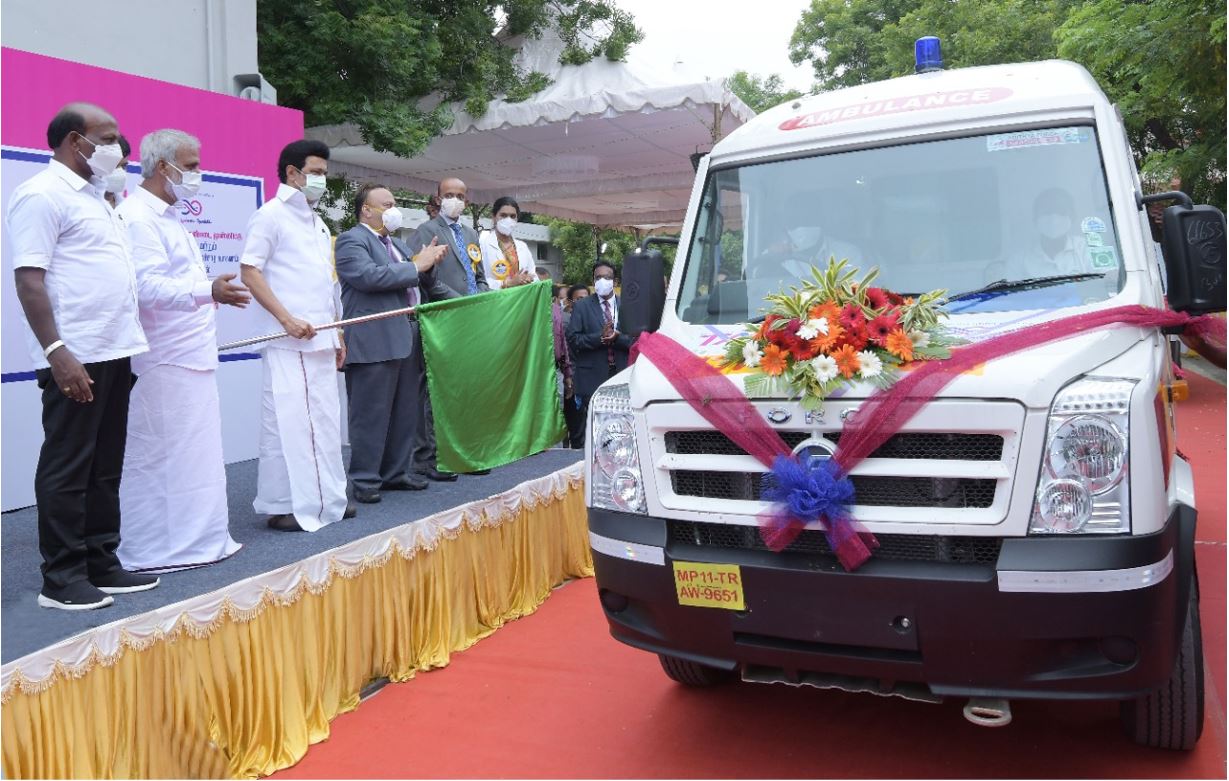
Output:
(1104, 257)
(1031, 138)
(1092, 225)
(1094, 239)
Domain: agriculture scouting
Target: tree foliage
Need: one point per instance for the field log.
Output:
(760, 94)
(578, 244)
(1162, 61)
(370, 62)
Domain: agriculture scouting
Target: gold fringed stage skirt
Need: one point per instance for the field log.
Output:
(238, 683)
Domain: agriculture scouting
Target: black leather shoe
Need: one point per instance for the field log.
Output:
(405, 483)
(366, 496)
(284, 523)
(350, 512)
(480, 472)
(437, 475)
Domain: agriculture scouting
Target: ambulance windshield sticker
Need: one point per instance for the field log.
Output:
(1030, 138)
(1092, 225)
(1103, 257)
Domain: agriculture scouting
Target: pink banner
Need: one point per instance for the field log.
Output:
(237, 136)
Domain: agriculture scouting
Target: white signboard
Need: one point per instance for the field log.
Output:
(217, 216)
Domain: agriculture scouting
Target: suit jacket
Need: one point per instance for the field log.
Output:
(373, 282)
(590, 358)
(450, 271)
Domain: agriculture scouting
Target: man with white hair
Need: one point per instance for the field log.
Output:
(173, 491)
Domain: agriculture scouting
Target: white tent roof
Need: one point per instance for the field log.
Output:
(607, 143)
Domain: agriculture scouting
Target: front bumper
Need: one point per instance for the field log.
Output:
(1087, 617)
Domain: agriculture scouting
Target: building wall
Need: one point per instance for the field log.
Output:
(204, 44)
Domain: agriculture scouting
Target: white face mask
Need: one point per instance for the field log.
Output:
(314, 188)
(452, 207)
(505, 225)
(189, 183)
(603, 287)
(392, 219)
(1053, 226)
(804, 238)
(117, 180)
(104, 158)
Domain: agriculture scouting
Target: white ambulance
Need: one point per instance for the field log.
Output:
(1014, 183)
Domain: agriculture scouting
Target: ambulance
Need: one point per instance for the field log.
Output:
(1013, 188)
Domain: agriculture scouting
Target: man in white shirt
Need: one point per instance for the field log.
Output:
(287, 265)
(77, 288)
(173, 495)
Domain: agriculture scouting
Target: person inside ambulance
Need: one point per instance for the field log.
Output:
(1057, 246)
(807, 241)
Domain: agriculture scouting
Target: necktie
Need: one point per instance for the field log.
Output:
(471, 284)
(411, 294)
(609, 322)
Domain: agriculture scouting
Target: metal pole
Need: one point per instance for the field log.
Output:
(409, 310)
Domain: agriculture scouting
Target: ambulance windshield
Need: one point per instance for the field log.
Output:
(955, 214)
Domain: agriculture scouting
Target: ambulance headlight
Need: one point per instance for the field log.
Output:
(1084, 484)
(615, 480)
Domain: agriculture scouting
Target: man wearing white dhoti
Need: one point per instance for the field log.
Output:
(286, 263)
(173, 491)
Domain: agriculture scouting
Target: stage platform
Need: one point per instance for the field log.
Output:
(233, 670)
(26, 627)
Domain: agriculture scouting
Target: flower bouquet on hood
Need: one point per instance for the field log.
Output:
(837, 331)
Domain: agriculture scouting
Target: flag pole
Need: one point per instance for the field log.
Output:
(409, 310)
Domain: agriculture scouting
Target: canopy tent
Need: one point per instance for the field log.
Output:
(608, 143)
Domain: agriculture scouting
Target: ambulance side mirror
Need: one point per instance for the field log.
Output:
(1193, 244)
(644, 288)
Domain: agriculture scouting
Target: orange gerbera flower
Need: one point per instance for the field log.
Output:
(827, 309)
(773, 360)
(899, 344)
(825, 342)
(847, 361)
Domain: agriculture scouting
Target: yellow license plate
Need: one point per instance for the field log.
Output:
(709, 585)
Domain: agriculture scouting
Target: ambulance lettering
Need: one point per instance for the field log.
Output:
(964, 97)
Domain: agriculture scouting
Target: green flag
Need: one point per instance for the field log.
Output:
(491, 373)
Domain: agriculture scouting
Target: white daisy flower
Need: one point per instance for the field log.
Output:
(871, 365)
(825, 367)
(813, 328)
(752, 354)
(920, 339)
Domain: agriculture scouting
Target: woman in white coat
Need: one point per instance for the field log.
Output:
(506, 261)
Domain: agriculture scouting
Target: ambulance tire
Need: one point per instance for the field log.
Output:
(1172, 716)
(692, 674)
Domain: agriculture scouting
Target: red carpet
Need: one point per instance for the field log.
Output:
(554, 696)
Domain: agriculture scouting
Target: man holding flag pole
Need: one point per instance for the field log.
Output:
(287, 266)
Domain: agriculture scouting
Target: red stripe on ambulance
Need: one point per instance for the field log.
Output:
(878, 108)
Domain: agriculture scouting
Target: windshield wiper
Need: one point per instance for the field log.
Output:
(1003, 286)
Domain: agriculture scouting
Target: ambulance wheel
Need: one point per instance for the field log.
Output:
(692, 674)
(1172, 716)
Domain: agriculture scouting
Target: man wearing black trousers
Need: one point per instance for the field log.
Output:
(599, 348)
(383, 364)
(77, 286)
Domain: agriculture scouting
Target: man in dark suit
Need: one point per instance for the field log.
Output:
(599, 349)
(460, 272)
(378, 273)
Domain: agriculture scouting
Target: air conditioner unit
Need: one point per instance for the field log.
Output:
(252, 86)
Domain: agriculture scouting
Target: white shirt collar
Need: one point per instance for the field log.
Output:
(287, 193)
(373, 230)
(67, 174)
(156, 204)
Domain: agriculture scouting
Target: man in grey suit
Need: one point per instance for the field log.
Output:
(599, 349)
(379, 273)
(460, 271)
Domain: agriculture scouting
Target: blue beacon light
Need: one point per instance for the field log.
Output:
(928, 55)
